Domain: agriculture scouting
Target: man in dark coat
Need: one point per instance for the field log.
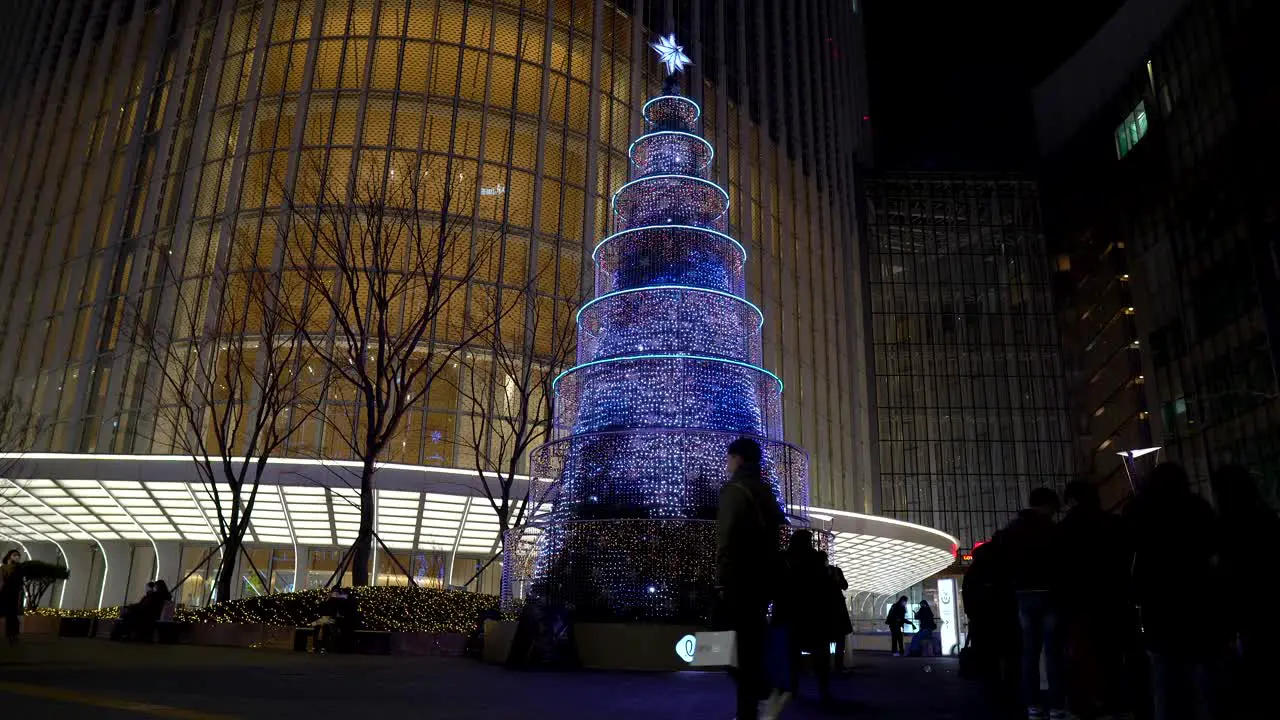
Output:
(1030, 545)
(1175, 539)
(1094, 604)
(748, 528)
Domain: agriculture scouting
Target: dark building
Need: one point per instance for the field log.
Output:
(1158, 143)
(968, 382)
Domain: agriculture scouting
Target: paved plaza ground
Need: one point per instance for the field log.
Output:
(52, 678)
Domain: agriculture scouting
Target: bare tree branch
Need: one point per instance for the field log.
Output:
(507, 383)
(390, 257)
(232, 378)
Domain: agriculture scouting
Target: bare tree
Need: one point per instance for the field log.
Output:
(507, 383)
(390, 253)
(232, 380)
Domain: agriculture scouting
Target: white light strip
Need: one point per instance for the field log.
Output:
(62, 594)
(293, 536)
(690, 288)
(877, 519)
(613, 201)
(306, 462)
(710, 149)
(644, 109)
(695, 228)
(106, 565)
(155, 568)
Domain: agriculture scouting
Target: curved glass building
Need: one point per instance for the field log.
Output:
(142, 140)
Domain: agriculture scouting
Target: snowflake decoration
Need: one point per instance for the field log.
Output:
(670, 54)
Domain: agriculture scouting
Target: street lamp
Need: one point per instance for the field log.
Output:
(1129, 456)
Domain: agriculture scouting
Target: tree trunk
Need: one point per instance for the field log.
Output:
(227, 569)
(362, 557)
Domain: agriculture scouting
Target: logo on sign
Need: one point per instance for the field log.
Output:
(685, 647)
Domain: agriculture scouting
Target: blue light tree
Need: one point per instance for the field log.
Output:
(668, 375)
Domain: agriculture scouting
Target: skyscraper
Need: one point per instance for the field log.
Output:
(1158, 142)
(968, 382)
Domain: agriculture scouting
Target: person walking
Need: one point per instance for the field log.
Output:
(802, 608)
(1030, 544)
(1247, 528)
(1095, 571)
(895, 620)
(1174, 536)
(11, 594)
(841, 623)
(749, 521)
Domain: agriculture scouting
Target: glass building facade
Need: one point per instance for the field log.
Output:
(1170, 239)
(970, 409)
(140, 135)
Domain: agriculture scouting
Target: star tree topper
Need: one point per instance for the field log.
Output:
(670, 54)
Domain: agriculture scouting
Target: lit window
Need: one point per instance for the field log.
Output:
(1133, 129)
(1064, 263)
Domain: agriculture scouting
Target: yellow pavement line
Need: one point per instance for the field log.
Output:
(71, 696)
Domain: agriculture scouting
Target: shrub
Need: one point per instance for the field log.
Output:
(401, 609)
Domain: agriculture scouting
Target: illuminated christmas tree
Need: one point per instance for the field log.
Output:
(668, 375)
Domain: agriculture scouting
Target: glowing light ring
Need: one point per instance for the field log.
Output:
(759, 313)
(613, 202)
(620, 233)
(667, 356)
(644, 109)
(711, 151)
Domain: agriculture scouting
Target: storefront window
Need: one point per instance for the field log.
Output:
(200, 568)
(323, 565)
(254, 575)
(283, 565)
(427, 568)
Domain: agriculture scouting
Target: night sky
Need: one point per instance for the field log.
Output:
(951, 80)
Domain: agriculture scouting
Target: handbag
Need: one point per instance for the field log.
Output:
(715, 649)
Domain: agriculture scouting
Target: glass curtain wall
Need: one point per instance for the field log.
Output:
(144, 143)
(969, 403)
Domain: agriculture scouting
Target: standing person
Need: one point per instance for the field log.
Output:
(11, 594)
(803, 609)
(1248, 528)
(842, 624)
(748, 526)
(895, 620)
(1095, 571)
(1173, 533)
(925, 624)
(994, 634)
(1030, 545)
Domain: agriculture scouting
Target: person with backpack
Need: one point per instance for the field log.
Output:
(896, 618)
(749, 522)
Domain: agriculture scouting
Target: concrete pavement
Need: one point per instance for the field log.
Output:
(68, 678)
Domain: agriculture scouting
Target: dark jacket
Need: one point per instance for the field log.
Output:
(1095, 561)
(1173, 534)
(841, 623)
(802, 603)
(11, 592)
(925, 620)
(1030, 548)
(897, 616)
(748, 527)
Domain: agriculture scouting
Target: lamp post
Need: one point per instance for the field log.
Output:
(1130, 466)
